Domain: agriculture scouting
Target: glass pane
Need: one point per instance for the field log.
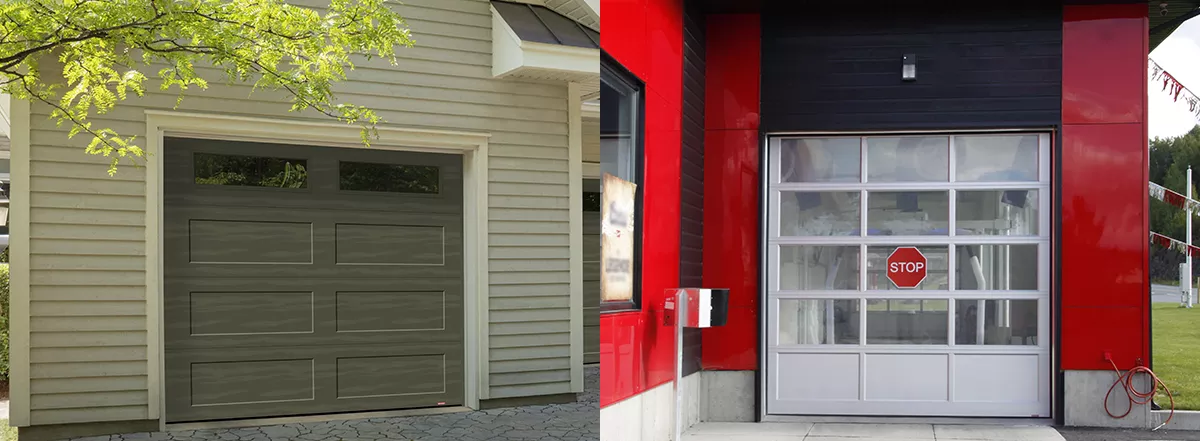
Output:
(997, 212)
(819, 213)
(820, 160)
(619, 126)
(818, 267)
(908, 213)
(996, 158)
(591, 201)
(907, 322)
(997, 267)
(4, 165)
(908, 159)
(392, 178)
(1005, 322)
(250, 171)
(818, 322)
(936, 271)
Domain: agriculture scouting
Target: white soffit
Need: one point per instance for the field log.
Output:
(586, 12)
(534, 42)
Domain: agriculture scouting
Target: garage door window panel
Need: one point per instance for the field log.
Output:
(908, 213)
(389, 178)
(250, 171)
(998, 212)
(996, 322)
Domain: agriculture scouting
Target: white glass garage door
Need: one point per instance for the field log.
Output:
(973, 339)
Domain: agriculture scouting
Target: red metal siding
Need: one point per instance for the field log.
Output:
(636, 350)
(1104, 202)
(731, 196)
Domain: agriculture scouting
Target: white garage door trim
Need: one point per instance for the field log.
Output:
(473, 147)
(812, 397)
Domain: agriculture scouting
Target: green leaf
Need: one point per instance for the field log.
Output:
(76, 58)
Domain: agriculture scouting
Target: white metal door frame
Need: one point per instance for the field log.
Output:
(770, 293)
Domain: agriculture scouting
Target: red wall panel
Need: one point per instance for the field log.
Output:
(731, 193)
(1104, 204)
(636, 351)
(1104, 64)
(623, 32)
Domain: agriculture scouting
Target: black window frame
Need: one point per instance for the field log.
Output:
(611, 69)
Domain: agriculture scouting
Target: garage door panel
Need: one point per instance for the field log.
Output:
(249, 241)
(215, 317)
(280, 243)
(241, 313)
(367, 244)
(265, 382)
(182, 285)
(303, 200)
(345, 271)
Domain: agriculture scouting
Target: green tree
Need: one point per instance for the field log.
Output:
(108, 49)
(1169, 160)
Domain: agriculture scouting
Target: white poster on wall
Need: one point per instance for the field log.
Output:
(617, 228)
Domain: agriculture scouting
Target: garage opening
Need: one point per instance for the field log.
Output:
(310, 280)
(968, 335)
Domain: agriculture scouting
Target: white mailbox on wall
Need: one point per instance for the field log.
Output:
(697, 307)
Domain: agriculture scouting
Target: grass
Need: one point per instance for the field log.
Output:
(1177, 353)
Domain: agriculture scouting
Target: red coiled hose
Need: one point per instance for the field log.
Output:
(1135, 396)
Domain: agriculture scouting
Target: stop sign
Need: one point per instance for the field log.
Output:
(906, 267)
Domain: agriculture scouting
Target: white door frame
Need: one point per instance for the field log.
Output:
(472, 146)
(768, 175)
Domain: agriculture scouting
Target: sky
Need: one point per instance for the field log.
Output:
(1179, 54)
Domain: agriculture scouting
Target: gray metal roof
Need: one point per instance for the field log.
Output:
(542, 25)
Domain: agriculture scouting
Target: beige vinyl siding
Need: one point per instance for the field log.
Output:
(88, 330)
(591, 140)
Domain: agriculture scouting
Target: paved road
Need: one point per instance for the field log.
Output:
(1166, 294)
(578, 421)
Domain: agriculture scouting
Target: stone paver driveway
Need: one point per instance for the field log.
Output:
(555, 422)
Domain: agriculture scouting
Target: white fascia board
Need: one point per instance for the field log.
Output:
(561, 58)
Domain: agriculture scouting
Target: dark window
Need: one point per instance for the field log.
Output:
(591, 201)
(622, 125)
(250, 171)
(391, 178)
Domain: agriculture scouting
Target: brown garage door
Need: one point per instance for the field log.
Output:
(306, 280)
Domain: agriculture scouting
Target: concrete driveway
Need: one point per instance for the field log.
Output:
(866, 432)
(556, 422)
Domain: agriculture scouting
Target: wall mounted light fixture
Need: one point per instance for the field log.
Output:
(909, 70)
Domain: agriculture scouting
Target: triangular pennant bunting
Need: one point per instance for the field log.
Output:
(1173, 87)
(1175, 245)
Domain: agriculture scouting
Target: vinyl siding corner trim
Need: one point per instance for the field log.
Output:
(19, 281)
(575, 179)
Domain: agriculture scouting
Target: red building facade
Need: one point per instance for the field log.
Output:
(1073, 76)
